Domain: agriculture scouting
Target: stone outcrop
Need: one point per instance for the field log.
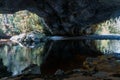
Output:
(28, 37)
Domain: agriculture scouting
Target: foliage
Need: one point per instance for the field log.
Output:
(19, 22)
(108, 27)
(26, 22)
(17, 58)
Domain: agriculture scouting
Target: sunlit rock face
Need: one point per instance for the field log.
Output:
(33, 36)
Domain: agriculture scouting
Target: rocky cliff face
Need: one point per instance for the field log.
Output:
(66, 17)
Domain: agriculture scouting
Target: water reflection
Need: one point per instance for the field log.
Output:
(17, 58)
(66, 55)
(109, 47)
(47, 58)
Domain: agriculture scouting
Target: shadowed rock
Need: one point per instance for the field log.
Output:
(63, 17)
(66, 17)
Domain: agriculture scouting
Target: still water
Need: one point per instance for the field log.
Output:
(48, 57)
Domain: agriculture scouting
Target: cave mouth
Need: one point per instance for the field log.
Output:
(68, 18)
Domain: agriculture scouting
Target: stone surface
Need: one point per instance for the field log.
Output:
(73, 63)
(3, 70)
(28, 37)
(66, 17)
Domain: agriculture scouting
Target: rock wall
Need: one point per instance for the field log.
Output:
(66, 17)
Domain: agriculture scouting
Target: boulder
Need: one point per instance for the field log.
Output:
(33, 36)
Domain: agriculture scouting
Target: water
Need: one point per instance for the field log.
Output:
(46, 58)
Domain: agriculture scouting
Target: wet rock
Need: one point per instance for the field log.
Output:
(28, 37)
(34, 36)
(102, 75)
(76, 70)
(3, 70)
(31, 44)
(32, 69)
(59, 72)
(18, 38)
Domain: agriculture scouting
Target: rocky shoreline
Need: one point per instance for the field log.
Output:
(98, 68)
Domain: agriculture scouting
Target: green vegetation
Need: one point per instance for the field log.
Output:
(20, 22)
(111, 26)
(17, 58)
(26, 22)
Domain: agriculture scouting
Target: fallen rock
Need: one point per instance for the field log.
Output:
(28, 37)
(32, 69)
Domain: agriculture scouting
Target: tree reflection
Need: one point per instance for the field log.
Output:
(17, 58)
(47, 58)
(66, 55)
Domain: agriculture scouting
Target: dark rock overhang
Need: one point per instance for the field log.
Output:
(65, 16)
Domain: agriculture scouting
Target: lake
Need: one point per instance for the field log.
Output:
(47, 58)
